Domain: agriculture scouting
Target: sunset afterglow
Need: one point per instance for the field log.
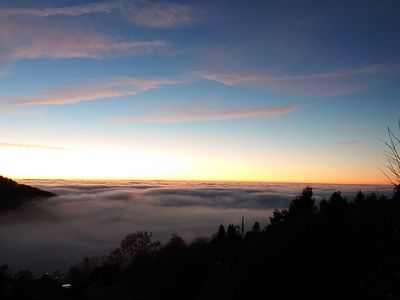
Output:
(196, 150)
(197, 90)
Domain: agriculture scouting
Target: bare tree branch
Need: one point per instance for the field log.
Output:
(392, 153)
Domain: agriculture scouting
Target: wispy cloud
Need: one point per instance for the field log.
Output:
(231, 79)
(197, 115)
(331, 82)
(31, 40)
(361, 70)
(140, 13)
(160, 15)
(28, 33)
(238, 78)
(90, 8)
(93, 90)
(92, 47)
(18, 145)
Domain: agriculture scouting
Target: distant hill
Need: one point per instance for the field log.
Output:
(13, 195)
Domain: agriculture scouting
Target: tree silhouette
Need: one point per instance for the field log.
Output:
(278, 216)
(256, 227)
(176, 242)
(115, 257)
(135, 243)
(302, 208)
(392, 154)
(233, 231)
(304, 203)
(6, 278)
(221, 234)
(336, 204)
(360, 197)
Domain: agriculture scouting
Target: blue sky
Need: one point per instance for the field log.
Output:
(228, 90)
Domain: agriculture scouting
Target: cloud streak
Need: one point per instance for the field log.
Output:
(238, 78)
(333, 82)
(362, 70)
(93, 47)
(230, 79)
(25, 39)
(30, 33)
(160, 15)
(90, 8)
(152, 15)
(93, 90)
(198, 115)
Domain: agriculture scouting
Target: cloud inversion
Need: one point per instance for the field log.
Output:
(90, 218)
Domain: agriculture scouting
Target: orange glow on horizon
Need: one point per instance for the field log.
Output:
(306, 183)
(128, 164)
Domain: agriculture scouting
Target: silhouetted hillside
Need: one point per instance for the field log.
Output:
(14, 195)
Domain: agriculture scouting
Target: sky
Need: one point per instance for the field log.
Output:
(282, 91)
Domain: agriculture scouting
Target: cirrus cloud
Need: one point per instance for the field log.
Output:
(32, 33)
(77, 10)
(235, 78)
(93, 90)
(196, 114)
(160, 15)
(329, 82)
(140, 13)
(231, 78)
(23, 39)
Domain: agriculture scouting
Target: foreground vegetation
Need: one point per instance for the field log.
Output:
(334, 249)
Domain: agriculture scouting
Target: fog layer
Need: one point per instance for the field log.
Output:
(90, 218)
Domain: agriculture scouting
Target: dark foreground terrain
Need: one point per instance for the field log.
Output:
(14, 195)
(334, 249)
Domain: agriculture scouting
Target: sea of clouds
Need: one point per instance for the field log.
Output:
(89, 218)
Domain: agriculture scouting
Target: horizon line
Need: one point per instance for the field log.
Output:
(205, 180)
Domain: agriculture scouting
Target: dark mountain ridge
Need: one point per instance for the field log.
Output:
(13, 195)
